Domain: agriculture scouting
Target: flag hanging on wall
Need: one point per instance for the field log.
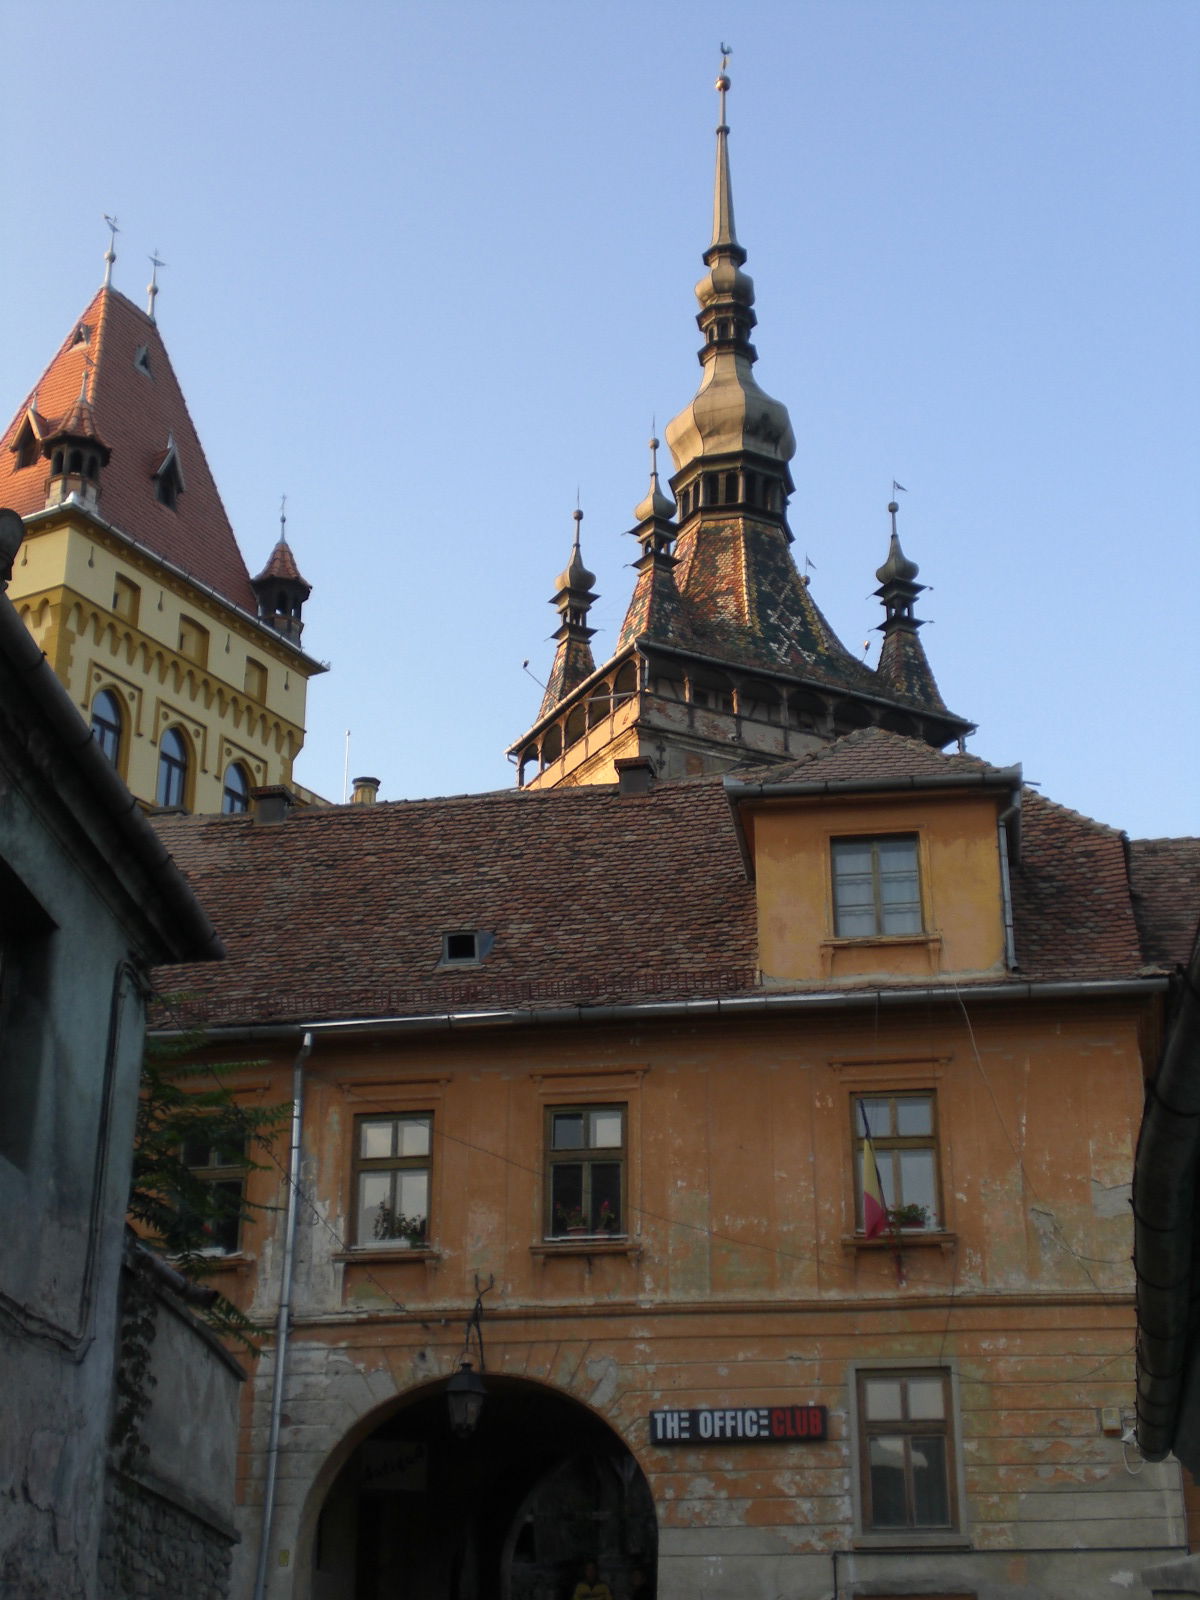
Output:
(875, 1215)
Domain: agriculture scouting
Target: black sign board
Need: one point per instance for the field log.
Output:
(787, 1424)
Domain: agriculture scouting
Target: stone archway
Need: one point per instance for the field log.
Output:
(512, 1513)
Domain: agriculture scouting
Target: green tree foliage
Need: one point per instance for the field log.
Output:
(188, 1122)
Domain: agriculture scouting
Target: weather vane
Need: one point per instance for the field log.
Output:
(726, 52)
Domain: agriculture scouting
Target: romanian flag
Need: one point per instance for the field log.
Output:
(875, 1217)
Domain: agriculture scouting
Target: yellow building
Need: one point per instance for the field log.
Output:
(189, 671)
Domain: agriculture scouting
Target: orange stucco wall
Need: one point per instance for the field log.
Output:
(961, 887)
(741, 1279)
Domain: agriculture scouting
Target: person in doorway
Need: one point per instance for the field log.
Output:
(590, 1586)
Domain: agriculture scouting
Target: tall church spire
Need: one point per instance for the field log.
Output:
(731, 416)
(724, 657)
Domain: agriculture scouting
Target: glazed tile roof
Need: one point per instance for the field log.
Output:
(1166, 890)
(135, 413)
(593, 898)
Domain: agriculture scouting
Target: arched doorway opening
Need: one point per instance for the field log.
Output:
(512, 1513)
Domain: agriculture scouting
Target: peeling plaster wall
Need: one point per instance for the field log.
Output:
(743, 1282)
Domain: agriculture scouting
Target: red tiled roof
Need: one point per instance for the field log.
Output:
(866, 756)
(134, 413)
(592, 899)
(281, 563)
(1166, 891)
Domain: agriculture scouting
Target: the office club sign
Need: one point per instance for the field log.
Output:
(787, 1424)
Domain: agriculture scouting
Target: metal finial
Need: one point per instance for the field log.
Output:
(283, 519)
(577, 517)
(893, 507)
(110, 255)
(152, 286)
(653, 459)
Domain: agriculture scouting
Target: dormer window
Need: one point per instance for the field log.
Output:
(26, 447)
(142, 360)
(168, 478)
(83, 334)
(876, 887)
(466, 947)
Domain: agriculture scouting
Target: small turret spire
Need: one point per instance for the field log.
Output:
(110, 255)
(283, 519)
(573, 597)
(152, 286)
(656, 503)
(903, 665)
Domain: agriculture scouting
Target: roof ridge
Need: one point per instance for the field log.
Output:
(1028, 791)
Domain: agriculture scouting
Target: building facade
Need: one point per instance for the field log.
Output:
(89, 901)
(189, 671)
(593, 1086)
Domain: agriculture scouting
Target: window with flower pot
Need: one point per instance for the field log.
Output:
(221, 1167)
(392, 1157)
(899, 1133)
(585, 1171)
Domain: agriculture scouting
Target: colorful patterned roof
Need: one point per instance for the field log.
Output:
(136, 407)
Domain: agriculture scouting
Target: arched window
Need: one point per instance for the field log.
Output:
(235, 797)
(172, 769)
(106, 724)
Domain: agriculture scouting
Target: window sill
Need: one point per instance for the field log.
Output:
(377, 1253)
(908, 1239)
(588, 1245)
(224, 1261)
(898, 1539)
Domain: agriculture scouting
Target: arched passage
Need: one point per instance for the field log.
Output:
(512, 1513)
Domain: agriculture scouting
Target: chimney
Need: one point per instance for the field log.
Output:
(273, 802)
(365, 791)
(635, 774)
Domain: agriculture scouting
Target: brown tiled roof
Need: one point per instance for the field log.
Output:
(134, 414)
(1071, 896)
(865, 756)
(592, 899)
(1166, 897)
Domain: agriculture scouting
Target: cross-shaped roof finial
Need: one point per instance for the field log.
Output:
(110, 255)
(152, 286)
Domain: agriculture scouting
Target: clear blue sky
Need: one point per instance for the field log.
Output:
(430, 268)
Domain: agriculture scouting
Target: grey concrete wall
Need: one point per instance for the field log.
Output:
(67, 1102)
(169, 1502)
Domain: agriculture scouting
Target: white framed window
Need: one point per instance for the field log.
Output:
(899, 1130)
(392, 1162)
(876, 887)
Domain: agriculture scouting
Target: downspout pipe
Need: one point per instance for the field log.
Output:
(283, 1321)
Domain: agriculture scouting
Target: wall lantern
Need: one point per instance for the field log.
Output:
(465, 1395)
(466, 1391)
